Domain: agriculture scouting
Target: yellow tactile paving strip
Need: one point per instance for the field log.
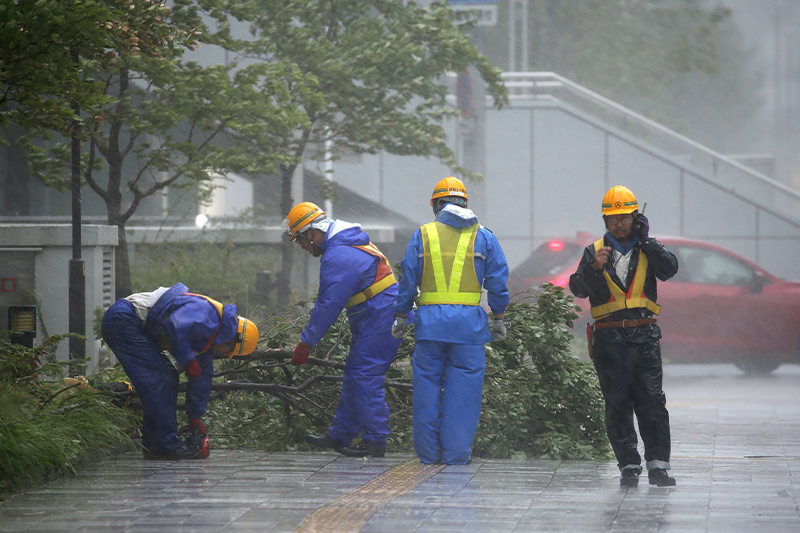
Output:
(351, 511)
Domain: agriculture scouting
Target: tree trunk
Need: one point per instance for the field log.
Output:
(287, 246)
(114, 203)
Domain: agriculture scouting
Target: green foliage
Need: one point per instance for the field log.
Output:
(280, 421)
(370, 79)
(35, 62)
(347, 47)
(46, 427)
(38, 75)
(167, 121)
(223, 271)
(539, 400)
(311, 71)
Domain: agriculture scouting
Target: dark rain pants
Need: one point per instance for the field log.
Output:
(628, 364)
(151, 372)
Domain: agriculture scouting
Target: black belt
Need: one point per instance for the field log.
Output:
(632, 323)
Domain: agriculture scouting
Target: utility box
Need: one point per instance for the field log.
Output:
(34, 270)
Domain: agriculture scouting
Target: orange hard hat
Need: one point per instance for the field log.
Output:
(449, 186)
(246, 337)
(619, 200)
(300, 217)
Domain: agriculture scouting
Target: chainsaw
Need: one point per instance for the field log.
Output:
(197, 437)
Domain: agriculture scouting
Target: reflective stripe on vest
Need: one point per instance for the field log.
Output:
(635, 296)
(384, 277)
(219, 307)
(445, 246)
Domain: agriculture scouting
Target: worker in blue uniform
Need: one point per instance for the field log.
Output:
(354, 275)
(192, 328)
(450, 260)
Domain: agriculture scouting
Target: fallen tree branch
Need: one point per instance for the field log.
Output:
(272, 388)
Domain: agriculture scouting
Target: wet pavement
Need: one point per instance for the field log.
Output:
(736, 457)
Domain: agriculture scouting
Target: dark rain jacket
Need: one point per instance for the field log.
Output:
(588, 282)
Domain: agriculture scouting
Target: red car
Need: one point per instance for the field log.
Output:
(719, 307)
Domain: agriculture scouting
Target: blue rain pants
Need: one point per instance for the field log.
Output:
(448, 386)
(152, 374)
(362, 406)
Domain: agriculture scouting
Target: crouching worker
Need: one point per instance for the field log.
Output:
(192, 328)
(353, 275)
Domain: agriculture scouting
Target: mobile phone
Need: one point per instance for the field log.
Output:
(636, 225)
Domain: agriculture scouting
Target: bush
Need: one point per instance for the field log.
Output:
(539, 400)
(223, 271)
(45, 427)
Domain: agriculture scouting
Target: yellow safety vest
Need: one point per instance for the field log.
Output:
(619, 300)
(384, 277)
(445, 280)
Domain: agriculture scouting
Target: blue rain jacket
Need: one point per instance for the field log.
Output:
(449, 360)
(344, 272)
(462, 324)
(183, 325)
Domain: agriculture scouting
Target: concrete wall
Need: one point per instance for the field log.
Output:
(547, 166)
(37, 256)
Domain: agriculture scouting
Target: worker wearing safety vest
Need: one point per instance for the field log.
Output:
(353, 275)
(192, 328)
(618, 273)
(450, 260)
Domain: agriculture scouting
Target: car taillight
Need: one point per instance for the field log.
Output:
(560, 282)
(556, 246)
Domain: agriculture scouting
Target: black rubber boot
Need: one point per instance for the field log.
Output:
(363, 450)
(660, 478)
(325, 441)
(184, 451)
(630, 478)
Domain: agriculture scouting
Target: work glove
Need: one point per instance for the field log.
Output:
(300, 354)
(499, 329)
(399, 326)
(641, 227)
(193, 369)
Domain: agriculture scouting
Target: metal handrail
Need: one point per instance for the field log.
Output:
(537, 85)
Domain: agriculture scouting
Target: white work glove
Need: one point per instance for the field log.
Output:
(399, 326)
(499, 329)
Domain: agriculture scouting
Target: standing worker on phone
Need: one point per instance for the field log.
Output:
(618, 274)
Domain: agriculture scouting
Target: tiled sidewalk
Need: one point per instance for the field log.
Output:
(736, 457)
